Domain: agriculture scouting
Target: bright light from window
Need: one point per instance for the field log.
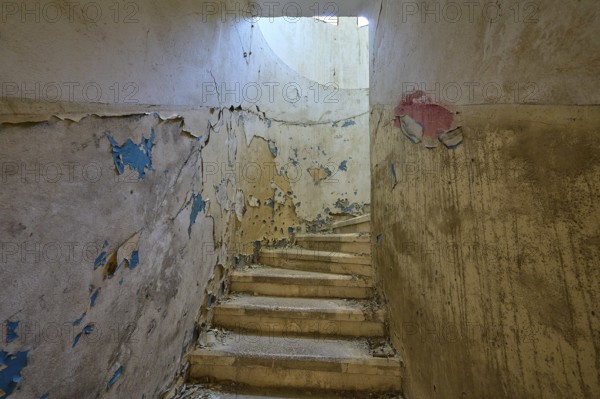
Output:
(328, 19)
(362, 21)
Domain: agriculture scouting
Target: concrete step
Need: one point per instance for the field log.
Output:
(220, 391)
(299, 316)
(359, 243)
(318, 261)
(264, 280)
(281, 362)
(360, 224)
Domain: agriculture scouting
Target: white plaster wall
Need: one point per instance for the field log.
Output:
(322, 52)
(159, 62)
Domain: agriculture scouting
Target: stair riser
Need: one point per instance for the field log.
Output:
(289, 374)
(364, 227)
(289, 326)
(318, 266)
(302, 291)
(347, 247)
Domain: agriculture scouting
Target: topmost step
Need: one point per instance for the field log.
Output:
(360, 224)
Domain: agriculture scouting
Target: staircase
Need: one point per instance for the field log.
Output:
(304, 320)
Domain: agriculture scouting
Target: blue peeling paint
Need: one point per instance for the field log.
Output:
(343, 166)
(115, 377)
(273, 148)
(94, 297)
(100, 260)
(87, 330)
(135, 259)
(11, 331)
(121, 281)
(349, 122)
(79, 320)
(344, 206)
(394, 176)
(270, 203)
(298, 204)
(348, 208)
(45, 396)
(76, 340)
(379, 238)
(137, 156)
(10, 370)
(198, 205)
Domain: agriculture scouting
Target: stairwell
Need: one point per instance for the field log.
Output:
(303, 322)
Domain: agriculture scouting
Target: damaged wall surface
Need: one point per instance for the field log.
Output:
(136, 167)
(488, 252)
(102, 265)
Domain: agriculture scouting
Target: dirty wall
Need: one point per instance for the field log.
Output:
(137, 167)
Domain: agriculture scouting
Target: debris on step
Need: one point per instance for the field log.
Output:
(215, 391)
(381, 348)
(212, 337)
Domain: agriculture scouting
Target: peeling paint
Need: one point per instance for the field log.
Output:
(198, 205)
(394, 176)
(433, 118)
(101, 259)
(343, 166)
(345, 206)
(117, 374)
(128, 253)
(80, 319)
(319, 173)
(273, 148)
(240, 205)
(11, 366)
(253, 202)
(452, 138)
(11, 331)
(349, 122)
(93, 298)
(279, 196)
(137, 156)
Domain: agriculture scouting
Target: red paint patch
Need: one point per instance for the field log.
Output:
(434, 118)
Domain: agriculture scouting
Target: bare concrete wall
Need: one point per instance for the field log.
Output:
(487, 252)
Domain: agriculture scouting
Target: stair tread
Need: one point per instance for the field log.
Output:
(352, 221)
(280, 273)
(354, 351)
(311, 254)
(342, 237)
(305, 305)
(245, 392)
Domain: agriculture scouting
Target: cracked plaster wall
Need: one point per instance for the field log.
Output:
(112, 313)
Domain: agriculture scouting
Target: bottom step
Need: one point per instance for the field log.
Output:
(298, 363)
(245, 392)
